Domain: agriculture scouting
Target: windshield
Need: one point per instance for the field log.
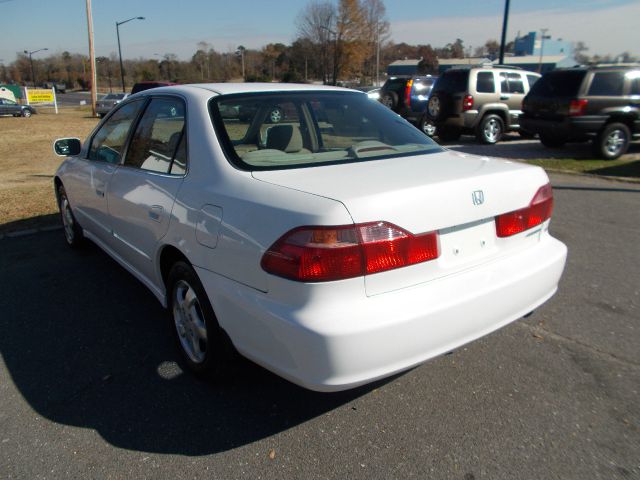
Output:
(274, 131)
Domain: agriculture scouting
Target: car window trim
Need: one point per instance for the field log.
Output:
(134, 127)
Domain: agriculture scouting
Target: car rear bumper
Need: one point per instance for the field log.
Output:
(568, 127)
(335, 341)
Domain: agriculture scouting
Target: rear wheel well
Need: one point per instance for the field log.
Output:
(500, 113)
(168, 257)
(626, 119)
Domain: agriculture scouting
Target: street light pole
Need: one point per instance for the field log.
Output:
(505, 20)
(30, 53)
(120, 49)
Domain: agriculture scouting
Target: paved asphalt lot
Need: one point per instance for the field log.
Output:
(89, 387)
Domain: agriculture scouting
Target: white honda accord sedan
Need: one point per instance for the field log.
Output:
(334, 245)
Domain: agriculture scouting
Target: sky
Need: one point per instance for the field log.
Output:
(170, 26)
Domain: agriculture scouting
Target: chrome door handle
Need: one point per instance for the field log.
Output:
(505, 97)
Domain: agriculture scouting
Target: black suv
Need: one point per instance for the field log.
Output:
(408, 97)
(484, 101)
(601, 103)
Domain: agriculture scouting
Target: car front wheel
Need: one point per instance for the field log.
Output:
(612, 141)
(72, 230)
(201, 341)
(26, 113)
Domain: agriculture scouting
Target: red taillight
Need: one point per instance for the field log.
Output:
(407, 93)
(537, 212)
(578, 107)
(320, 254)
(467, 103)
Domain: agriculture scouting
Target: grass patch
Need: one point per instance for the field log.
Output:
(613, 168)
(27, 162)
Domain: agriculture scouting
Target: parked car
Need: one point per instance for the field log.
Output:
(9, 107)
(598, 103)
(408, 97)
(110, 100)
(142, 86)
(484, 101)
(333, 252)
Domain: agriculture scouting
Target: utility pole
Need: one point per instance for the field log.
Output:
(544, 31)
(377, 52)
(92, 61)
(505, 20)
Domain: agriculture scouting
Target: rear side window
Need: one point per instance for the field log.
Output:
(452, 81)
(635, 87)
(532, 80)
(511, 83)
(157, 137)
(485, 83)
(607, 84)
(562, 83)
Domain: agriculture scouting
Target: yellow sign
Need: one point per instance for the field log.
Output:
(40, 96)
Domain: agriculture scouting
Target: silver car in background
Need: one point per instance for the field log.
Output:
(110, 100)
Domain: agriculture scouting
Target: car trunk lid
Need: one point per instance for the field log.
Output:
(456, 194)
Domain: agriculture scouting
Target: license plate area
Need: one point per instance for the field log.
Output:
(467, 243)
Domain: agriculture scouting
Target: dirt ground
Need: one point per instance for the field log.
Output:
(27, 161)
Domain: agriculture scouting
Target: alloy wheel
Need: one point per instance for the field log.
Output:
(189, 322)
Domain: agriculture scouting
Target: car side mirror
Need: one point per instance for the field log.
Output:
(65, 147)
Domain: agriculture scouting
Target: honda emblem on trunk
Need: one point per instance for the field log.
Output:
(478, 197)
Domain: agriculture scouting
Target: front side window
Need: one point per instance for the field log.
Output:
(312, 128)
(159, 133)
(607, 84)
(108, 143)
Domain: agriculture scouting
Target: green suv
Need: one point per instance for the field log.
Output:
(601, 103)
(484, 101)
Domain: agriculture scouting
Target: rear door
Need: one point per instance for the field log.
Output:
(143, 189)
(606, 91)
(512, 90)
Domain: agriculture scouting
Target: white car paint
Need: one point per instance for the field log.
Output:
(332, 335)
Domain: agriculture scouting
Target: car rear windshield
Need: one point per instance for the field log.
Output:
(452, 81)
(114, 96)
(559, 84)
(273, 131)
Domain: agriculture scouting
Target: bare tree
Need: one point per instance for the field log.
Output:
(377, 32)
(316, 23)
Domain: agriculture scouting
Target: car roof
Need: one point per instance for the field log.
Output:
(230, 88)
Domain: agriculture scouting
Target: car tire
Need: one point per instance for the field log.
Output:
(552, 141)
(490, 129)
(612, 141)
(276, 115)
(449, 134)
(390, 100)
(72, 230)
(203, 345)
(426, 125)
(26, 113)
(438, 106)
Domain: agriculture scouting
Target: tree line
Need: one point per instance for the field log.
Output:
(337, 41)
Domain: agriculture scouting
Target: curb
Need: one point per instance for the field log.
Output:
(30, 231)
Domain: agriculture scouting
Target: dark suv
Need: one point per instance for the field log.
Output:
(408, 97)
(484, 101)
(601, 103)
